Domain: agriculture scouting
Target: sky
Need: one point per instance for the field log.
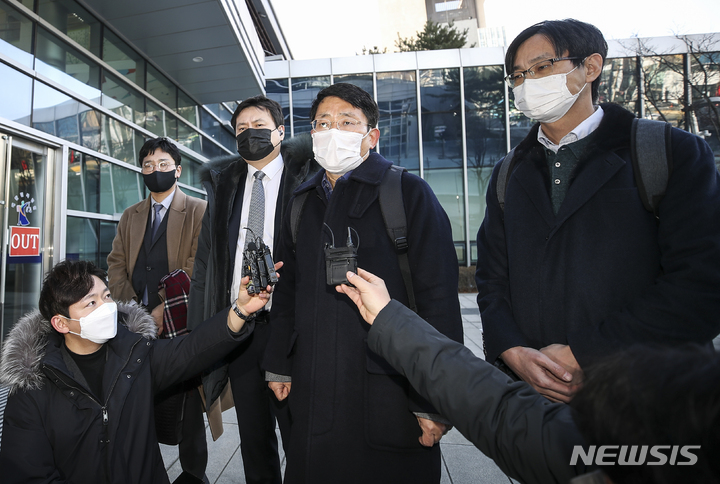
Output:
(340, 28)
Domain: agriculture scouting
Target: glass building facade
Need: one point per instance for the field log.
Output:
(448, 116)
(76, 105)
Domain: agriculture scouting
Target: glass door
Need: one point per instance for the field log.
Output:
(26, 216)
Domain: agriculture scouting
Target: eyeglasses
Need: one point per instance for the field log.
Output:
(344, 124)
(536, 71)
(148, 167)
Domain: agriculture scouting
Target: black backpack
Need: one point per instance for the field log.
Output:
(393, 212)
(651, 151)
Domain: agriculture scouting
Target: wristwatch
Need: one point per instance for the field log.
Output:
(239, 313)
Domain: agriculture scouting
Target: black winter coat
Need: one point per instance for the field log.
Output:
(352, 413)
(528, 437)
(224, 181)
(603, 273)
(56, 431)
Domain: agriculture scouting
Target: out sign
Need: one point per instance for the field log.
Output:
(24, 241)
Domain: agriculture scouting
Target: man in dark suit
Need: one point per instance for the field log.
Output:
(248, 193)
(154, 238)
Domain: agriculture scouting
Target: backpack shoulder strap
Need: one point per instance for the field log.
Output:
(651, 151)
(504, 177)
(295, 213)
(393, 212)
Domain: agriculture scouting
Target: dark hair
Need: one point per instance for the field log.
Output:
(65, 284)
(355, 96)
(262, 102)
(162, 143)
(579, 39)
(651, 395)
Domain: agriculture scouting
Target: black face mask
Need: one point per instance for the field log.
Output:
(160, 181)
(255, 144)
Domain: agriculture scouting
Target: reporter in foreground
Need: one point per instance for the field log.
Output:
(81, 385)
(662, 396)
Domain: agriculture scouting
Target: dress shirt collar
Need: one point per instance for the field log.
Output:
(583, 129)
(165, 203)
(271, 169)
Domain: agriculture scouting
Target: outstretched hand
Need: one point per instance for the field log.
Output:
(250, 303)
(369, 294)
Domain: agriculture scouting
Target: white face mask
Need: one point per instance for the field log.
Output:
(338, 152)
(546, 99)
(100, 325)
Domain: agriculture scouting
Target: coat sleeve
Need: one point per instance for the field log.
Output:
(199, 208)
(500, 332)
(683, 303)
(26, 454)
(119, 281)
(196, 299)
(528, 437)
(178, 359)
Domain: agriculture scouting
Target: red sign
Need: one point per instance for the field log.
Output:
(24, 241)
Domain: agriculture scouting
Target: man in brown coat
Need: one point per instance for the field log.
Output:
(154, 238)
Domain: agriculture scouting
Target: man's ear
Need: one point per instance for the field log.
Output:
(593, 66)
(281, 132)
(60, 324)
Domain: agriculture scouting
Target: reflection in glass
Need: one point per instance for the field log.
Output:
(15, 107)
(447, 184)
(91, 132)
(190, 173)
(123, 58)
(154, 119)
(441, 119)
(188, 137)
(23, 276)
(442, 146)
(67, 66)
(120, 98)
(664, 88)
(187, 108)
(15, 35)
(98, 186)
(161, 88)
(397, 101)
(89, 240)
(74, 21)
(485, 134)
(619, 83)
(277, 90)
(705, 90)
(121, 140)
(55, 113)
(305, 90)
(363, 81)
(217, 131)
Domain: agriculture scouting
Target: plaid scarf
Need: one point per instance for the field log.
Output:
(177, 287)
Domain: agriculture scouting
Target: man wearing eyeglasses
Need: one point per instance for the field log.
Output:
(155, 237)
(354, 418)
(574, 267)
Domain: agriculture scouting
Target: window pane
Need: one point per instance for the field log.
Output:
(619, 83)
(98, 186)
(91, 132)
(67, 66)
(187, 108)
(83, 183)
(89, 240)
(219, 132)
(188, 136)
(72, 20)
(485, 134)
(441, 120)
(15, 95)
(161, 88)
(277, 90)
(397, 100)
(305, 90)
(190, 172)
(211, 150)
(121, 140)
(55, 113)
(363, 81)
(15, 35)
(664, 88)
(123, 59)
(705, 90)
(127, 187)
(447, 184)
(154, 119)
(121, 98)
